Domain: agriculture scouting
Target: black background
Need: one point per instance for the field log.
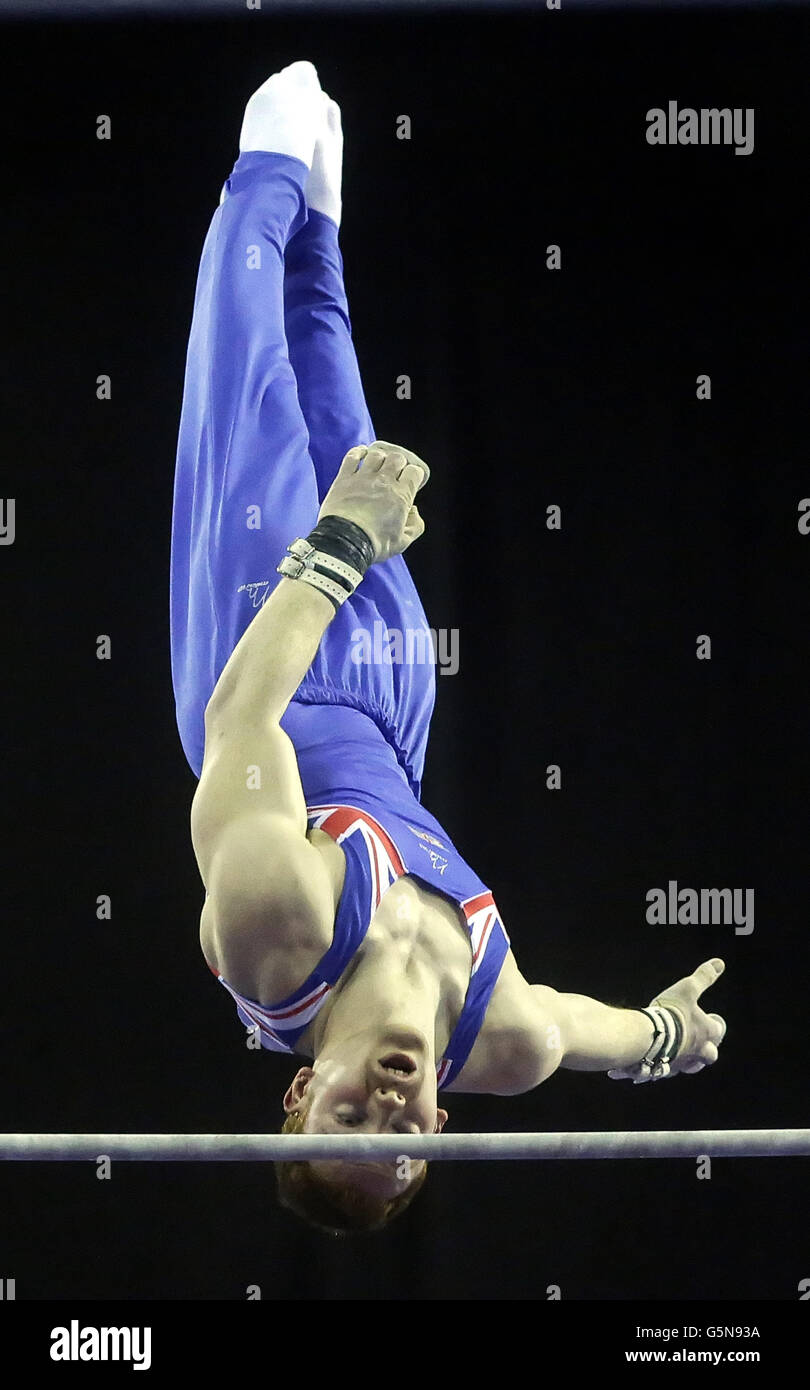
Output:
(578, 647)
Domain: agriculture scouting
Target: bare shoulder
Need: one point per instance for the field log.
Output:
(268, 916)
(514, 1051)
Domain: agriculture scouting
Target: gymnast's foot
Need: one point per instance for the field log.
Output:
(285, 114)
(322, 191)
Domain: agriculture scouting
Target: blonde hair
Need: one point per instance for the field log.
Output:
(334, 1207)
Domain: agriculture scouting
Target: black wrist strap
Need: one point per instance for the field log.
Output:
(678, 1026)
(658, 1046)
(345, 540)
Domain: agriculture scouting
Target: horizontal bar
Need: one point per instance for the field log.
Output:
(365, 1148)
(111, 9)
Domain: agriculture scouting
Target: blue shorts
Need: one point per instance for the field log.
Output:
(272, 402)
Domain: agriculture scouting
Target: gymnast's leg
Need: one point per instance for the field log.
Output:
(316, 315)
(331, 396)
(245, 484)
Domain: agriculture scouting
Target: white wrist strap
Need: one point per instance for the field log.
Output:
(333, 577)
(654, 1065)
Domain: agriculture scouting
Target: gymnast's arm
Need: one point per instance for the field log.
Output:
(582, 1034)
(576, 1032)
(266, 882)
(248, 816)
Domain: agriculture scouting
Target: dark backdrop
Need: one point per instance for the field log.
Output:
(577, 647)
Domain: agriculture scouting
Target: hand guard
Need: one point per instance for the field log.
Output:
(665, 1046)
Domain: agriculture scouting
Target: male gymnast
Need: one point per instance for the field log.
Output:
(338, 913)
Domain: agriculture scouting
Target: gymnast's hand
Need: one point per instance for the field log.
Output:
(703, 1033)
(375, 488)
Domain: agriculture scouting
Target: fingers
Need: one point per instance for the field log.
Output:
(412, 476)
(412, 459)
(705, 975)
(374, 459)
(708, 1053)
(352, 460)
(706, 1058)
(397, 461)
(414, 526)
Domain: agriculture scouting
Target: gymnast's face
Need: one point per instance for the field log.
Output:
(369, 1088)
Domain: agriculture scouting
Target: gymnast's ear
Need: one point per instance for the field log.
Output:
(295, 1093)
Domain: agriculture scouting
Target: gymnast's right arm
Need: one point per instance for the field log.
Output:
(265, 881)
(248, 816)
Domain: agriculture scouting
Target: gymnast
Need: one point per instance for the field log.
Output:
(338, 914)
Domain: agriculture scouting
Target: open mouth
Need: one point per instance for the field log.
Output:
(398, 1064)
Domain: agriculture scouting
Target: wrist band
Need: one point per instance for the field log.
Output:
(344, 538)
(665, 1046)
(332, 558)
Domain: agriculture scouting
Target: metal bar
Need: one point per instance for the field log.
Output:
(362, 1148)
(236, 9)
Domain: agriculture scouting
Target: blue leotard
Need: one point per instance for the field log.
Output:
(272, 402)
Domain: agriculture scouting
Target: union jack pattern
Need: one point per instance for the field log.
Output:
(385, 860)
(482, 919)
(373, 863)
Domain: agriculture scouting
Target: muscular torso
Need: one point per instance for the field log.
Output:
(426, 930)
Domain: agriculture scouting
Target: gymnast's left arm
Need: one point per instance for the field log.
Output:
(582, 1034)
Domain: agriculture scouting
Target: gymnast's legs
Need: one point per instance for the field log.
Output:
(272, 402)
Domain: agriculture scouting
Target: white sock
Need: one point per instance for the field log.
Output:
(322, 189)
(284, 115)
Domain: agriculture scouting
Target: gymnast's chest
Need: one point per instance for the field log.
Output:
(419, 925)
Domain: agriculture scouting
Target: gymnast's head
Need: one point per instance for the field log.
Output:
(365, 1085)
